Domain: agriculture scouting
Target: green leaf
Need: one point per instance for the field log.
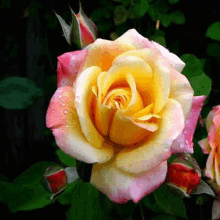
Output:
(213, 31)
(85, 203)
(27, 191)
(66, 197)
(164, 202)
(201, 85)
(66, 159)
(178, 17)
(65, 27)
(213, 50)
(18, 93)
(125, 210)
(165, 20)
(97, 15)
(104, 26)
(172, 157)
(141, 8)
(193, 66)
(173, 2)
(120, 14)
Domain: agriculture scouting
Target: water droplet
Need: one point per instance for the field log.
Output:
(187, 142)
(65, 111)
(60, 96)
(63, 104)
(181, 145)
(53, 111)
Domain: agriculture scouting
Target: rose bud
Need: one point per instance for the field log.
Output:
(55, 179)
(183, 175)
(81, 32)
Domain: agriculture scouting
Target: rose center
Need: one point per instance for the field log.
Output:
(118, 98)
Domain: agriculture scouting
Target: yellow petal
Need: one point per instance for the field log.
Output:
(124, 132)
(103, 117)
(83, 102)
(100, 81)
(181, 91)
(63, 120)
(161, 86)
(145, 111)
(136, 103)
(102, 52)
(147, 117)
(137, 67)
(161, 78)
(157, 149)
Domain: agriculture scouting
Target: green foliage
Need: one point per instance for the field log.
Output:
(177, 17)
(172, 2)
(213, 50)
(200, 83)
(18, 93)
(163, 217)
(86, 203)
(66, 159)
(213, 31)
(27, 191)
(164, 202)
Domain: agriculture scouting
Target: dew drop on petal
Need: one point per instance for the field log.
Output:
(181, 145)
(60, 96)
(63, 104)
(187, 142)
(65, 111)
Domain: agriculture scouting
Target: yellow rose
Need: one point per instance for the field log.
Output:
(120, 105)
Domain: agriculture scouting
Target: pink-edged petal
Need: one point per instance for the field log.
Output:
(68, 67)
(157, 148)
(181, 91)
(209, 120)
(134, 38)
(209, 170)
(83, 102)
(62, 119)
(184, 144)
(204, 145)
(121, 187)
(173, 59)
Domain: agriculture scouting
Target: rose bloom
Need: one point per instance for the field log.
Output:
(124, 106)
(211, 146)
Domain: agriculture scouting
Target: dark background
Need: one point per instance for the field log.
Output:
(29, 48)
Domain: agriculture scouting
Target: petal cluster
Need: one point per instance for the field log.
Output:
(211, 146)
(121, 105)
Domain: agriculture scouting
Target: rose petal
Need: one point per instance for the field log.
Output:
(137, 67)
(124, 132)
(62, 119)
(102, 53)
(121, 187)
(183, 143)
(134, 38)
(161, 85)
(157, 149)
(83, 102)
(68, 67)
(209, 120)
(204, 145)
(181, 91)
(173, 59)
(209, 170)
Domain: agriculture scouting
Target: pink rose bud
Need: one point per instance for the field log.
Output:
(81, 32)
(183, 175)
(55, 179)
